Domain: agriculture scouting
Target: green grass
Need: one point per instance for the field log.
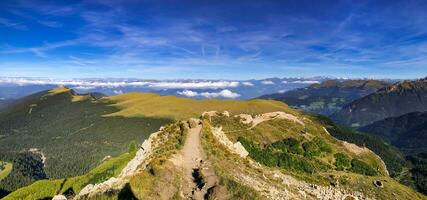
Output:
(153, 105)
(7, 168)
(70, 130)
(293, 146)
(331, 152)
(225, 165)
(161, 178)
(49, 188)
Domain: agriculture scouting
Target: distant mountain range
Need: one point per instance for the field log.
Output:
(329, 96)
(199, 89)
(391, 101)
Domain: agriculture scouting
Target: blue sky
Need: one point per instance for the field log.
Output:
(213, 39)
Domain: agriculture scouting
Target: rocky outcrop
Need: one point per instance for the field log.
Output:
(139, 162)
(254, 121)
(59, 197)
(210, 114)
(291, 188)
(236, 148)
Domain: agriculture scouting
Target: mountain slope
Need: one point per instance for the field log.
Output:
(150, 104)
(64, 134)
(397, 99)
(4, 103)
(408, 132)
(405, 131)
(259, 150)
(56, 125)
(218, 159)
(329, 96)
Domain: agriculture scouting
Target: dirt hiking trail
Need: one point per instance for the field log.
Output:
(199, 178)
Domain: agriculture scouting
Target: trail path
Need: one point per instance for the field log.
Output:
(199, 177)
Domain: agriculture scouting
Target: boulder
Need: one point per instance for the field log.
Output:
(59, 197)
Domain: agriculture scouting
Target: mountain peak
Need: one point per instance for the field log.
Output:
(407, 85)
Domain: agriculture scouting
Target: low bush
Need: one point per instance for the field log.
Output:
(270, 156)
(289, 145)
(289, 161)
(323, 146)
(310, 149)
(361, 167)
(342, 161)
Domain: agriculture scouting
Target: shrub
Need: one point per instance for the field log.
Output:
(290, 145)
(361, 167)
(133, 146)
(311, 149)
(269, 157)
(323, 146)
(342, 161)
(289, 161)
(264, 156)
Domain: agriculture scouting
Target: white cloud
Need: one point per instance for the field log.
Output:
(247, 83)
(188, 93)
(267, 82)
(117, 92)
(116, 84)
(74, 83)
(222, 93)
(195, 85)
(84, 88)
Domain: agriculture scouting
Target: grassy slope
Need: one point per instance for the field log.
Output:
(70, 130)
(272, 131)
(49, 188)
(148, 104)
(161, 176)
(162, 179)
(7, 169)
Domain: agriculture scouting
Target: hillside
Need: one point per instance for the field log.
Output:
(327, 97)
(43, 133)
(409, 133)
(274, 155)
(4, 103)
(394, 100)
(405, 131)
(150, 104)
(58, 134)
(258, 149)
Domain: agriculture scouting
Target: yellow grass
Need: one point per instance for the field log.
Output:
(153, 105)
(58, 90)
(8, 168)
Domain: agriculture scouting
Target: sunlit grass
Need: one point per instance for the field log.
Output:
(6, 171)
(49, 188)
(153, 105)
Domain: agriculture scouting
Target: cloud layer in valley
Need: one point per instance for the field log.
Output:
(220, 94)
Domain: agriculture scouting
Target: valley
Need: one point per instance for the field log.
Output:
(268, 145)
